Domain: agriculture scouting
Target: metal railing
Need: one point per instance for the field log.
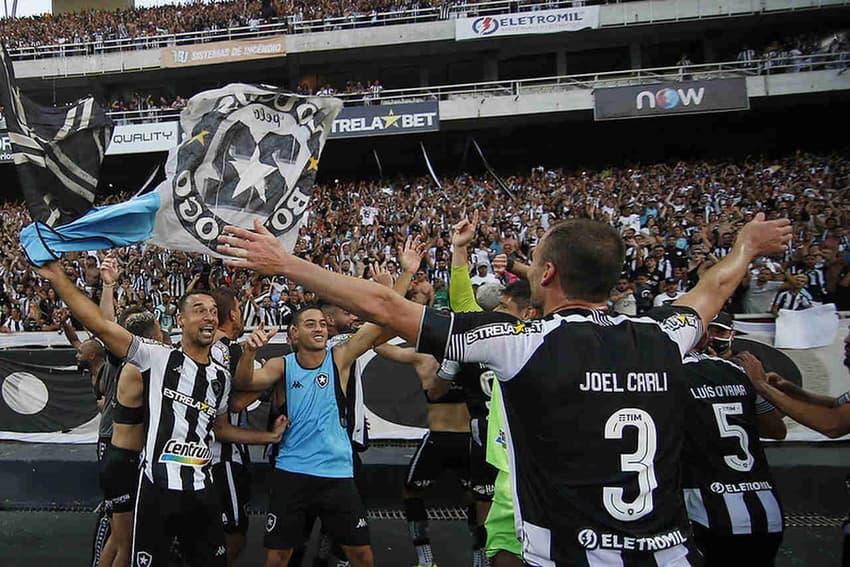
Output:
(291, 24)
(839, 61)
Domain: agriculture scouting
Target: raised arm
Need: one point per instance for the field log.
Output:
(461, 294)
(370, 334)
(109, 273)
(831, 421)
(116, 338)
(259, 250)
(757, 238)
(257, 379)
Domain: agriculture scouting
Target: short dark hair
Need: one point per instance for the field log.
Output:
(141, 323)
(520, 292)
(181, 304)
(225, 299)
(589, 256)
(296, 318)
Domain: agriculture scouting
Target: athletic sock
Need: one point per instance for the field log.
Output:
(417, 524)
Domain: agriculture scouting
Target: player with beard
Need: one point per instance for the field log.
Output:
(729, 491)
(313, 474)
(574, 374)
(825, 414)
(185, 395)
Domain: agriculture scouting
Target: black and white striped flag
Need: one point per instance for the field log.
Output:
(57, 151)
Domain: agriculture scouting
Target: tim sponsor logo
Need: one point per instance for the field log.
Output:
(668, 99)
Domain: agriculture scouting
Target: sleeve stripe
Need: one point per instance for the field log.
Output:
(133, 348)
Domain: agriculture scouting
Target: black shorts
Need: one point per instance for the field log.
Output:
(232, 484)
(439, 450)
(294, 498)
(102, 444)
(193, 517)
(482, 475)
(119, 479)
(759, 549)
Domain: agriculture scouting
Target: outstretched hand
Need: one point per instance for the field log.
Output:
(259, 338)
(464, 232)
(766, 238)
(753, 367)
(381, 275)
(410, 256)
(109, 270)
(256, 250)
(50, 271)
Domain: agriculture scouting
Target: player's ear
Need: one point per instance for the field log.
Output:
(179, 319)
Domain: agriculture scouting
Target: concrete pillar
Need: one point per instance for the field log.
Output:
(561, 62)
(491, 67)
(635, 55)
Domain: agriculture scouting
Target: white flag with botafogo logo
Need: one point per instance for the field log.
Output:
(249, 153)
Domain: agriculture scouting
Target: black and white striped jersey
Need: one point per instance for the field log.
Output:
(726, 479)
(176, 285)
(795, 302)
(228, 352)
(594, 426)
(183, 398)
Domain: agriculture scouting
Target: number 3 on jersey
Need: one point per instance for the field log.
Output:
(642, 461)
(721, 411)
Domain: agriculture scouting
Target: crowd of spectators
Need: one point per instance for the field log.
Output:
(97, 26)
(676, 219)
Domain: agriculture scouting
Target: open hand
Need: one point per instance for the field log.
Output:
(410, 255)
(765, 238)
(256, 250)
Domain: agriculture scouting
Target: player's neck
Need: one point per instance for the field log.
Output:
(310, 358)
(567, 303)
(197, 352)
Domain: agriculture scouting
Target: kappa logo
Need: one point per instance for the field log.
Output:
(242, 167)
(220, 551)
(271, 522)
(296, 385)
(322, 380)
(144, 559)
(361, 523)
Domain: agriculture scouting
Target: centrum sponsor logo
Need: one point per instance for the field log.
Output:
(388, 121)
(721, 488)
(186, 453)
(589, 539)
(189, 401)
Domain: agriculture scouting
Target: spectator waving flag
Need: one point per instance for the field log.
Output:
(57, 151)
(249, 152)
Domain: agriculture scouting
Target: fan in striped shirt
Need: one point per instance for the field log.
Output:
(729, 491)
(795, 298)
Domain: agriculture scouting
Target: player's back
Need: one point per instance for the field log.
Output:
(595, 422)
(727, 482)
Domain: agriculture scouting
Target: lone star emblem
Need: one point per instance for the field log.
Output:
(200, 137)
(252, 173)
(391, 119)
(313, 164)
